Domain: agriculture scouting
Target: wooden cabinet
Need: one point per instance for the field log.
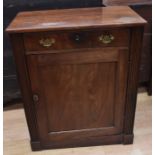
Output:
(78, 75)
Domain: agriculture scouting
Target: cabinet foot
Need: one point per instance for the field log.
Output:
(128, 139)
(35, 146)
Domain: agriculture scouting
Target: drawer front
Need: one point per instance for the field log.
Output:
(110, 38)
(44, 41)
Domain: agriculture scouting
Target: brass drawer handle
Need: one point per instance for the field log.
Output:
(106, 39)
(47, 42)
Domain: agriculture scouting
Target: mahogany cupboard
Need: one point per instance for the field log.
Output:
(78, 71)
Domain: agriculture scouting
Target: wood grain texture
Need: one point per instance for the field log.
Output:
(135, 53)
(18, 48)
(75, 19)
(91, 86)
(67, 40)
(84, 95)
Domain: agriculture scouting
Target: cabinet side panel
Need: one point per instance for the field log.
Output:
(133, 75)
(18, 49)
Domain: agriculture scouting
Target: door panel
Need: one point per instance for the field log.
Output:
(80, 93)
(74, 94)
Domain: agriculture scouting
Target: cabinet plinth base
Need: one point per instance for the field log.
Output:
(104, 140)
(128, 139)
(35, 146)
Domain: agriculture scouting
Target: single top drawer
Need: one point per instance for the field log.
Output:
(43, 41)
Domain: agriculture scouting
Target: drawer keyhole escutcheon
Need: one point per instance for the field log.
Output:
(77, 37)
(35, 98)
(48, 42)
(106, 39)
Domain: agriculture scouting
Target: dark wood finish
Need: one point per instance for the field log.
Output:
(80, 94)
(18, 48)
(85, 79)
(74, 19)
(144, 9)
(65, 40)
(136, 43)
(11, 91)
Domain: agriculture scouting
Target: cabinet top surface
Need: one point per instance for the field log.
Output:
(113, 16)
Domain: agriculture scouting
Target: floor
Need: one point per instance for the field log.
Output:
(16, 137)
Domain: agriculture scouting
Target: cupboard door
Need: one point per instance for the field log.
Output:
(79, 95)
